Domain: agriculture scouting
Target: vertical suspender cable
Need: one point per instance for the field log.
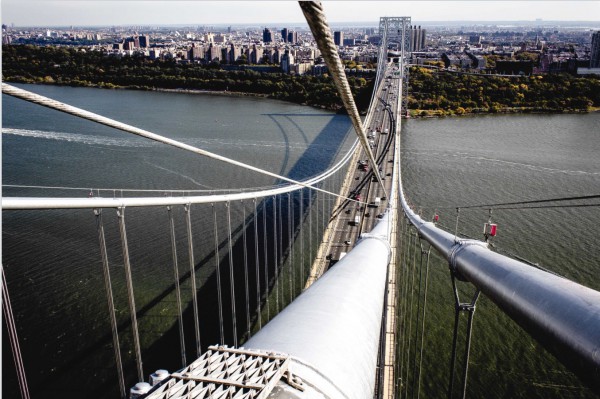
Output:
(310, 232)
(410, 306)
(281, 253)
(403, 298)
(266, 253)
(423, 322)
(130, 295)
(110, 301)
(301, 221)
(231, 277)
(177, 287)
(218, 272)
(454, 336)
(417, 323)
(471, 310)
(257, 266)
(405, 285)
(246, 271)
(14, 340)
(188, 218)
(317, 220)
(290, 252)
(330, 201)
(400, 301)
(275, 256)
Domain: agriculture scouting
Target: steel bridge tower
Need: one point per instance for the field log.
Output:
(395, 34)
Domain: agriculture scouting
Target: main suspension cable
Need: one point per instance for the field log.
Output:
(81, 113)
(578, 198)
(315, 17)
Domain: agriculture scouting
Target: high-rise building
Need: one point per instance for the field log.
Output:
(129, 44)
(338, 38)
(267, 36)
(417, 38)
(474, 39)
(292, 37)
(284, 34)
(233, 54)
(196, 52)
(213, 53)
(595, 51)
(287, 61)
(144, 41)
(276, 58)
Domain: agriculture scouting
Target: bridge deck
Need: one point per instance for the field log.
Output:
(343, 230)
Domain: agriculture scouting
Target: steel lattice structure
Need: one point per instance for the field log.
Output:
(395, 31)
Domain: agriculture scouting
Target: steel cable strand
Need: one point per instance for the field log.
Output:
(404, 308)
(421, 344)
(290, 252)
(190, 241)
(231, 276)
(110, 301)
(244, 240)
(130, 292)
(177, 286)
(81, 113)
(410, 310)
(418, 311)
(266, 254)
(301, 219)
(275, 255)
(406, 334)
(315, 16)
(13, 337)
(218, 271)
(400, 304)
(400, 338)
(257, 266)
(527, 202)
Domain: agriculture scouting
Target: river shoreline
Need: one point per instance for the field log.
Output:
(414, 114)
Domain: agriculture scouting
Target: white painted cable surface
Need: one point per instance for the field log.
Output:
(315, 16)
(334, 326)
(81, 113)
(21, 203)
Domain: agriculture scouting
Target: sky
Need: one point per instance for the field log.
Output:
(165, 12)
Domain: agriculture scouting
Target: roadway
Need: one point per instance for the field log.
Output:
(350, 220)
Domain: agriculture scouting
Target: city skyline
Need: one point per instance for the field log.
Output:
(266, 13)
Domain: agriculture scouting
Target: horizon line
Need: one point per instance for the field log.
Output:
(301, 24)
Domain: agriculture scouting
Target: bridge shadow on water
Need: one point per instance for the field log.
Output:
(272, 237)
(317, 157)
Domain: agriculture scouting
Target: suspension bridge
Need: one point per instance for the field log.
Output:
(297, 319)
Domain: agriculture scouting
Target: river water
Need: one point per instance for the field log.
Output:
(53, 265)
(52, 260)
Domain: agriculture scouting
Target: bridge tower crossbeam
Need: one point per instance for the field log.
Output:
(395, 32)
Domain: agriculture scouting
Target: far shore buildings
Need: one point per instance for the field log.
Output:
(595, 50)
(472, 48)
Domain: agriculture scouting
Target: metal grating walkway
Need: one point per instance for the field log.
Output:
(223, 373)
